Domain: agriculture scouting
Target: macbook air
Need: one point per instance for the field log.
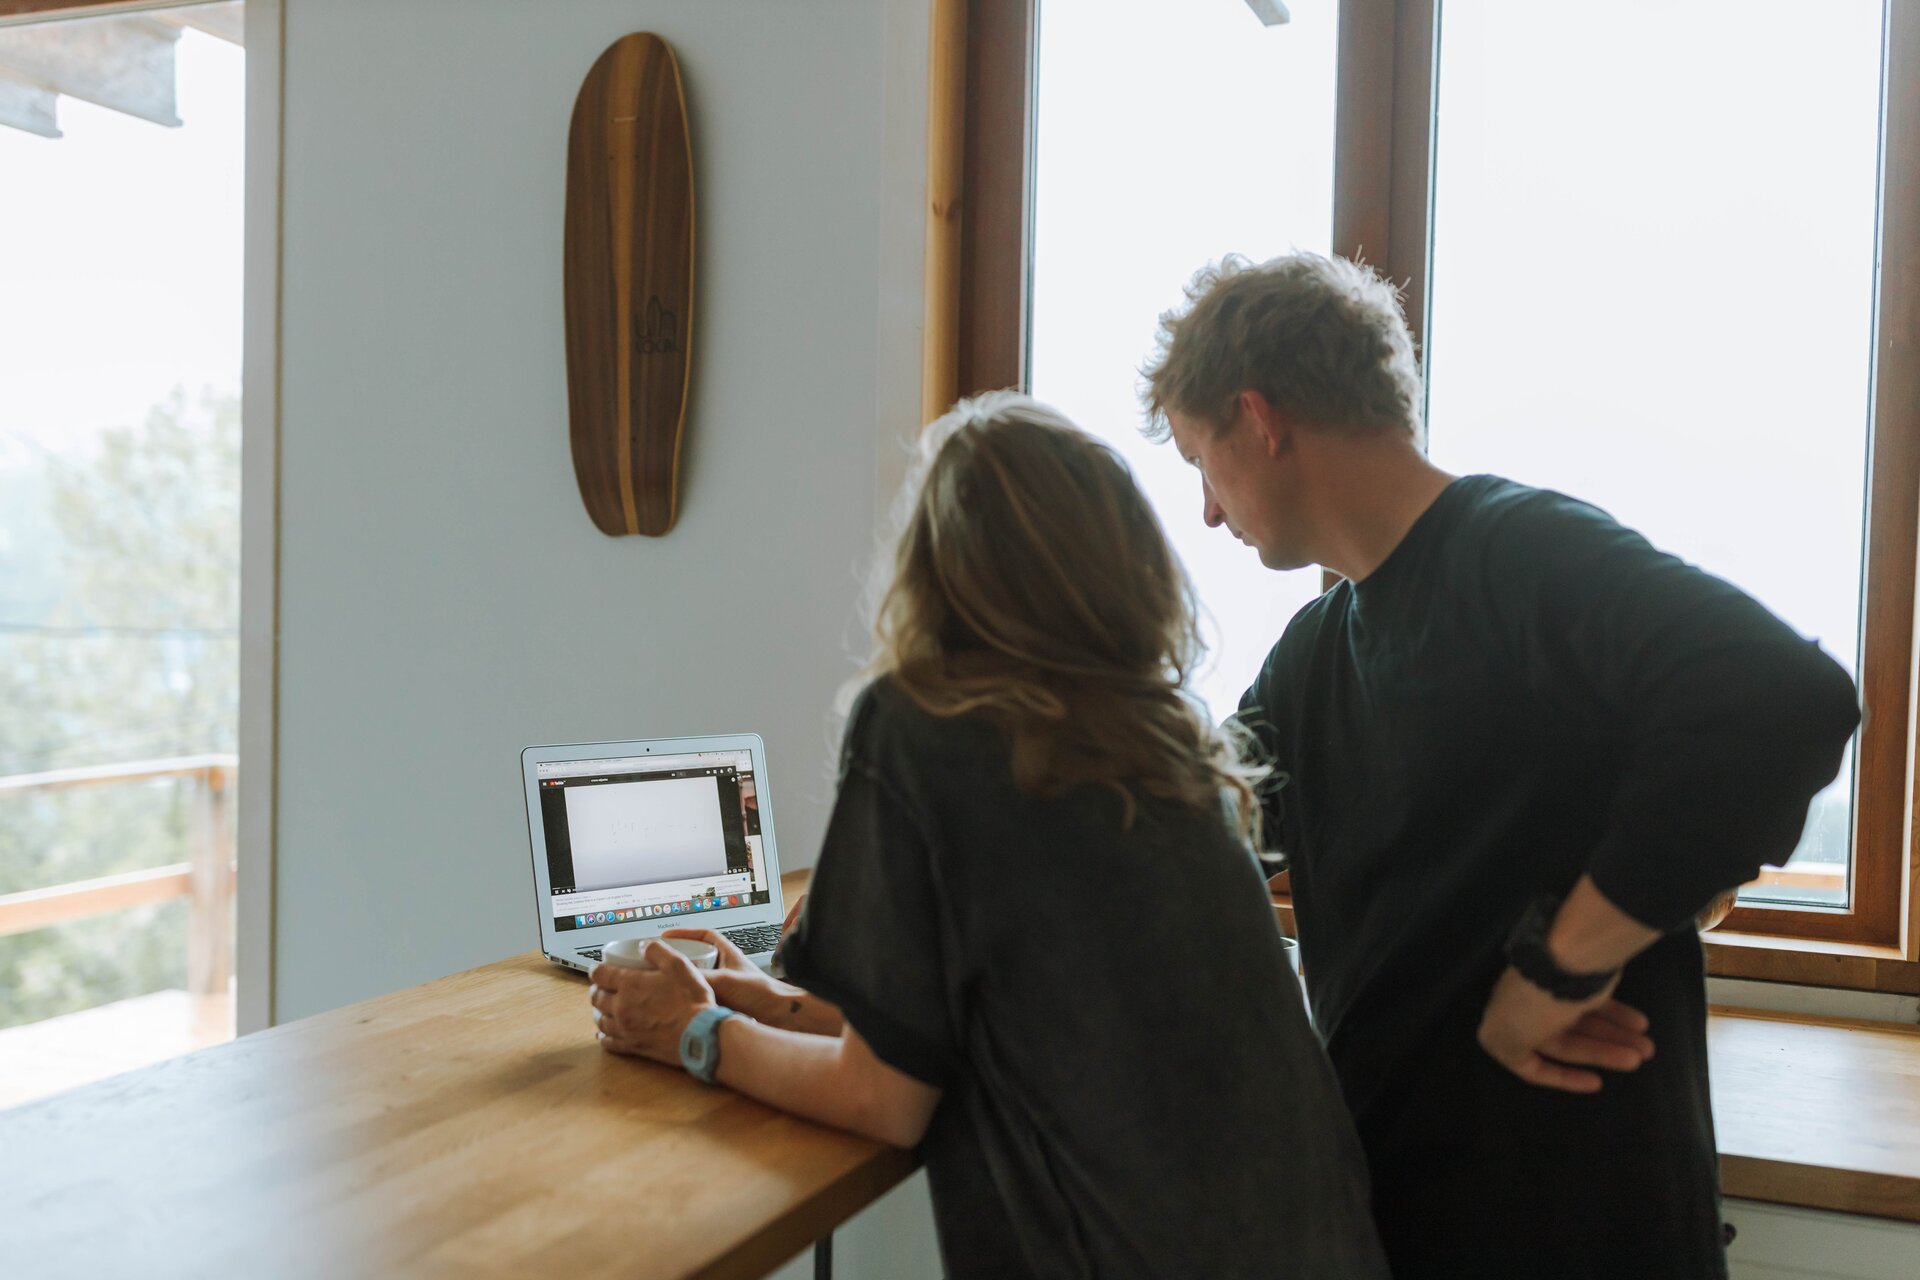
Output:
(634, 838)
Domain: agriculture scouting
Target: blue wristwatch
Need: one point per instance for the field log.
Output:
(700, 1044)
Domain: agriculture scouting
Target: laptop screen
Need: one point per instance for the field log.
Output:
(640, 837)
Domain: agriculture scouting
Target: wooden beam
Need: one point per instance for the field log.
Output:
(171, 767)
(125, 65)
(40, 908)
(59, 10)
(1897, 398)
(1383, 144)
(210, 924)
(210, 935)
(994, 222)
(1809, 963)
(946, 179)
(28, 107)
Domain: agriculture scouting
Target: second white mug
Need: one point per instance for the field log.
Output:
(630, 953)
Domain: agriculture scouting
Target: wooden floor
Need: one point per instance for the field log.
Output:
(43, 1058)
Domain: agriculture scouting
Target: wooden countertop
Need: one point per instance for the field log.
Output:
(1818, 1112)
(471, 1126)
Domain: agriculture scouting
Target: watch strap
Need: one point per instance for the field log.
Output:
(1532, 959)
(700, 1044)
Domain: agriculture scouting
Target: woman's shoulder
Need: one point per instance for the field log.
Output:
(888, 722)
(882, 710)
(890, 733)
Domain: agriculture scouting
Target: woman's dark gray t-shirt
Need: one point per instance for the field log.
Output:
(1131, 1086)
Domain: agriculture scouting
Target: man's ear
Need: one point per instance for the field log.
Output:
(1272, 428)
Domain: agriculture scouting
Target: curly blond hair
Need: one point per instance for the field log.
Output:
(1322, 338)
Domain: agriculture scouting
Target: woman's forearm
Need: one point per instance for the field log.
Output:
(829, 1079)
(779, 1004)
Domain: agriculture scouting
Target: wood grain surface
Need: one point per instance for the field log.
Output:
(996, 201)
(629, 285)
(470, 1126)
(1818, 1112)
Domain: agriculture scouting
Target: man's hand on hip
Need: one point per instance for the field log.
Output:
(1555, 1043)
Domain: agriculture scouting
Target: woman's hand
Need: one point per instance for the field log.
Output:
(737, 982)
(730, 957)
(743, 986)
(641, 1013)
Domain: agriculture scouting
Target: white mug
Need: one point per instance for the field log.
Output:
(1292, 948)
(631, 953)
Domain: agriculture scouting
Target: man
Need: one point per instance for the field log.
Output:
(1518, 750)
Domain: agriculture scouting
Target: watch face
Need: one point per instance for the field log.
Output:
(697, 1051)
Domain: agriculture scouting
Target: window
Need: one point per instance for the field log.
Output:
(1661, 256)
(1701, 184)
(120, 246)
(1702, 363)
(1117, 232)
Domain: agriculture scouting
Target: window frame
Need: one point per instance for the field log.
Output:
(254, 823)
(980, 138)
(982, 56)
(53, 10)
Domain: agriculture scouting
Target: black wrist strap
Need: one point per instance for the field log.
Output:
(1528, 953)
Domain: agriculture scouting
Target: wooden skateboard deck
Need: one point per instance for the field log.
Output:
(629, 285)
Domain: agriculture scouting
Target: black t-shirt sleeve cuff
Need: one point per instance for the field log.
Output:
(891, 1042)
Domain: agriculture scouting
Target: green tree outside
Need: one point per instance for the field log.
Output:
(119, 642)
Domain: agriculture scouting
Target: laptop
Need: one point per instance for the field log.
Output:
(634, 838)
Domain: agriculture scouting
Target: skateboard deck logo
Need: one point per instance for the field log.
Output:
(661, 334)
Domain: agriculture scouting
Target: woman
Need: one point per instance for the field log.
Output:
(1037, 944)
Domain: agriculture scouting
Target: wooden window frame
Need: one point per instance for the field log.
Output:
(980, 197)
(48, 10)
(1876, 944)
(979, 241)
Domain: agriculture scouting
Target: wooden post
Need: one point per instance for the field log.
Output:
(210, 919)
(997, 162)
(946, 152)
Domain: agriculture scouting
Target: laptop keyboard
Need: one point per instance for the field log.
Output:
(754, 938)
(751, 939)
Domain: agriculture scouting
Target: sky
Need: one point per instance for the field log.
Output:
(120, 258)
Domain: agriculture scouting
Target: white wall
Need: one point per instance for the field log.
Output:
(1776, 1242)
(1831, 1002)
(444, 600)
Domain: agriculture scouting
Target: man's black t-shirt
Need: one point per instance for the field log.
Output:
(1525, 691)
(1131, 1085)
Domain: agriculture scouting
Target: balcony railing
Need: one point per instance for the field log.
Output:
(205, 879)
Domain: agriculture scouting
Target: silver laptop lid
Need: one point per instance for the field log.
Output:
(630, 838)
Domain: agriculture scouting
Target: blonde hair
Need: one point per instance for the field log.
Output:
(1031, 583)
(1322, 338)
